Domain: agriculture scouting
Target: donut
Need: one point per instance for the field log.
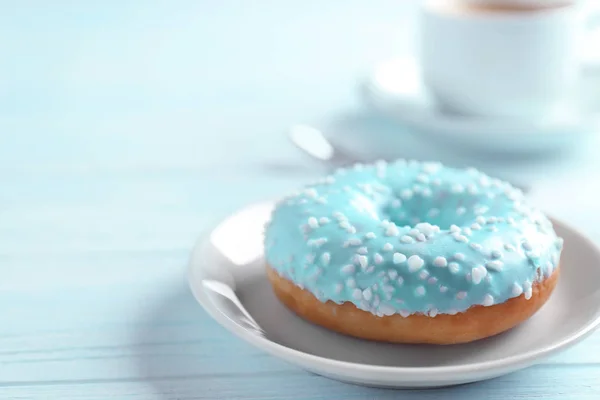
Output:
(411, 252)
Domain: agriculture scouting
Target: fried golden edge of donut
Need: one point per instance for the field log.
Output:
(476, 323)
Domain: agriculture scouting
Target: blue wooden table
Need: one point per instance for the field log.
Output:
(126, 129)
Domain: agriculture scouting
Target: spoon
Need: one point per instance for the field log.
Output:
(312, 142)
(227, 292)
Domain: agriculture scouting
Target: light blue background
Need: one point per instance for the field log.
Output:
(126, 127)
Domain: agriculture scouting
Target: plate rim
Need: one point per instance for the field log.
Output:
(414, 374)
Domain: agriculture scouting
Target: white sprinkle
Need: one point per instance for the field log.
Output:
(414, 232)
(386, 310)
(406, 239)
(475, 226)
(443, 289)
(534, 254)
(317, 242)
(480, 220)
(480, 210)
(457, 188)
(348, 269)
(351, 283)
(351, 230)
(509, 247)
(461, 295)
(362, 250)
(528, 293)
(399, 258)
(467, 231)
(369, 235)
(422, 178)
(461, 210)
(325, 259)
(367, 294)
(484, 181)
(496, 254)
(440, 262)
(492, 220)
(476, 246)
(433, 312)
(459, 256)
(460, 238)
(492, 228)
(431, 167)
(432, 281)
(495, 265)
(426, 228)
(321, 200)
(357, 294)
(392, 273)
(454, 229)
(471, 188)
(392, 230)
(312, 193)
(477, 274)
(414, 263)
(433, 212)
(510, 220)
(311, 258)
(362, 261)
(420, 291)
(421, 237)
(488, 300)
(423, 275)
(323, 220)
(378, 258)
(527, 246)
(404, 313)
(344, 224)
(338, 288)
(313, 223)
(338, 215)
(376, 301)
(517, 290)
(406, 194)
(400, 281)
(388, 247)
(453, 267)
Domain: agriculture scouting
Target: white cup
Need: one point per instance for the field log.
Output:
(509, 63)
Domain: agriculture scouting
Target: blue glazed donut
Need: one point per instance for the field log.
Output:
(411, 238)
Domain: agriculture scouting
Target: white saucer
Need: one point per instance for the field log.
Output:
(232, 253)
(394, 88)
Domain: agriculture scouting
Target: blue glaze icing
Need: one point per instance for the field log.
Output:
(411, 237)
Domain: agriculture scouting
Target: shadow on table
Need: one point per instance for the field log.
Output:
(182, 353)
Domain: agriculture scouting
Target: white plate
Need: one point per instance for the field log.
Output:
(394, 88)
(233, 253)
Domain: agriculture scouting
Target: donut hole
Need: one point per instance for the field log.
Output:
(442, 209)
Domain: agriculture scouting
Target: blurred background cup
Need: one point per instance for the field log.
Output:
(501, 58)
